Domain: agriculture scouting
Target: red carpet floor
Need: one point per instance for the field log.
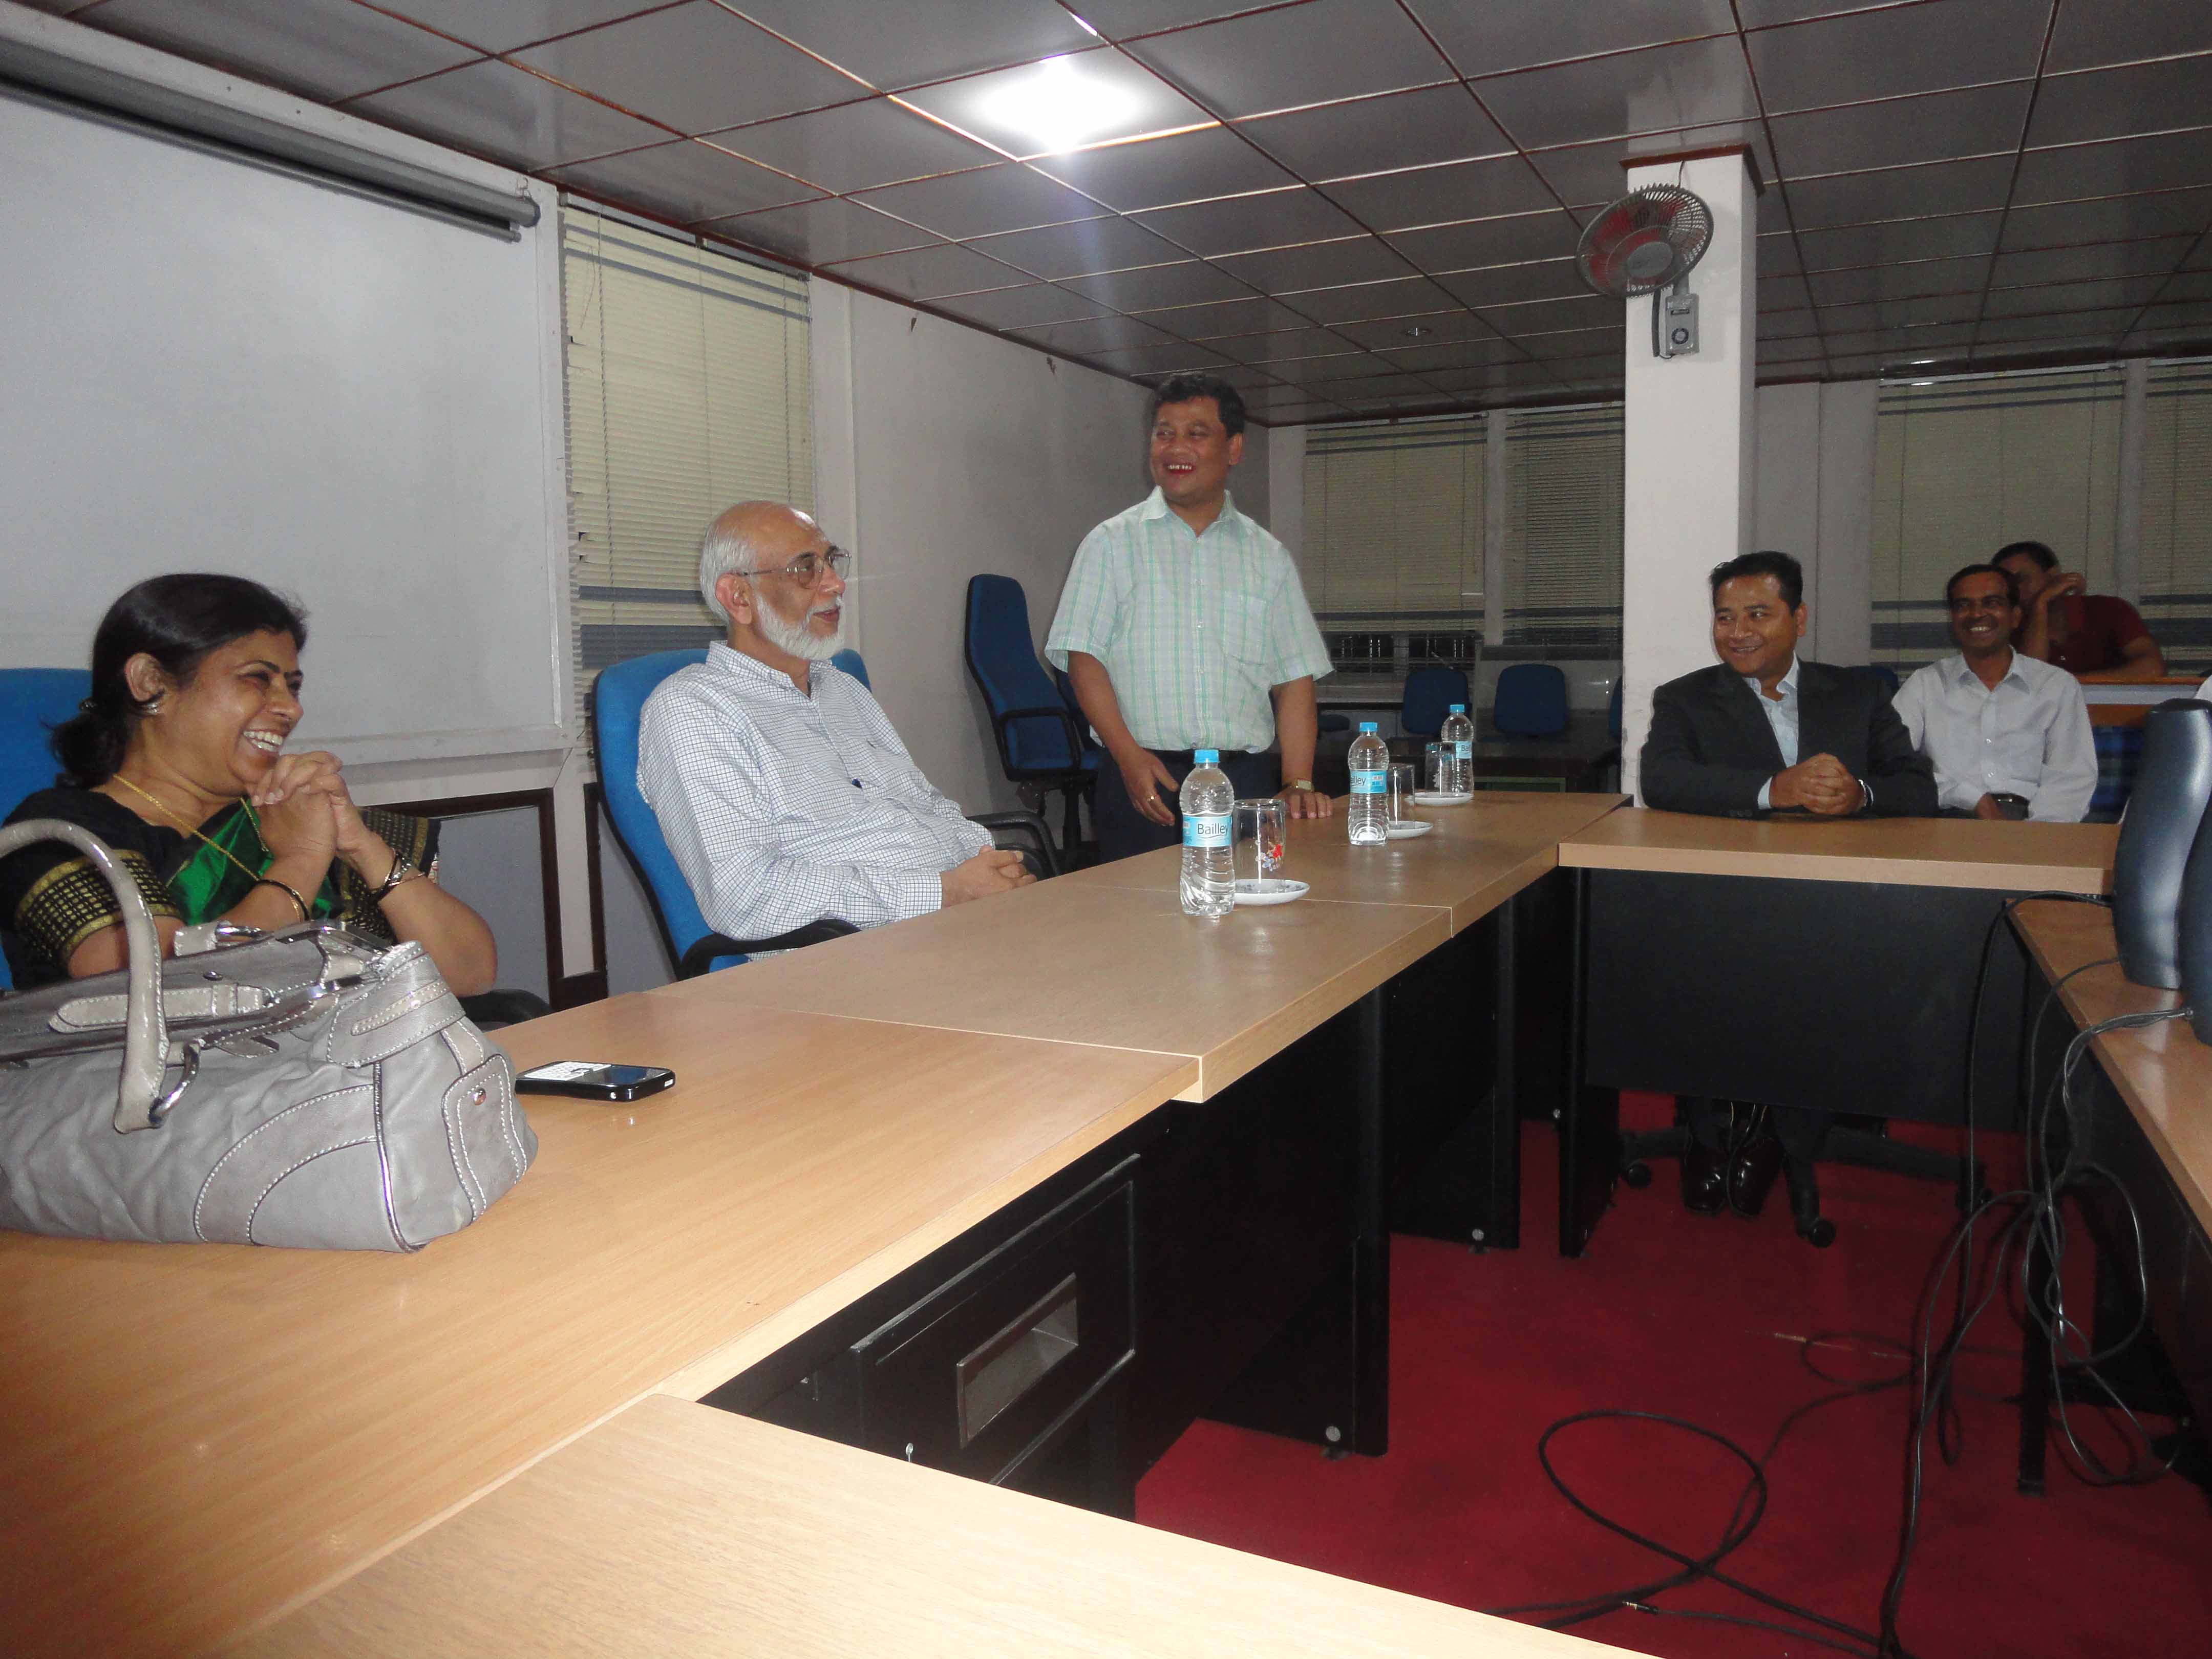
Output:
(1705, 1317)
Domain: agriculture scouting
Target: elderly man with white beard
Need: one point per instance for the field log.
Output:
(781, 789)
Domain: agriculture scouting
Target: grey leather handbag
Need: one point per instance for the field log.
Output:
(308, 1087)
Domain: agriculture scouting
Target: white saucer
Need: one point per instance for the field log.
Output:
(1408, 829)
(1274, 890)
(1439, 798)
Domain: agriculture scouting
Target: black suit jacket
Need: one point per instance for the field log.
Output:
(1710, 747)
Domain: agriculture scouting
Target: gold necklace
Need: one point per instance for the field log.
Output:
(155, 803)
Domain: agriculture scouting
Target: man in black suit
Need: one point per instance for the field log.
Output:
(1759, 732)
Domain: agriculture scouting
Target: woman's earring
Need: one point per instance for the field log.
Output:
(153, 703)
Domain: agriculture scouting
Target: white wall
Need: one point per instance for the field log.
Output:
(942, 452)
(1816, 501)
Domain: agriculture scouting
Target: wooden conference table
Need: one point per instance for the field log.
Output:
(200, 1440)
(1840, 957)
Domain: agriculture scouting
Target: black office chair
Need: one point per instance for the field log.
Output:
(1860, 1142)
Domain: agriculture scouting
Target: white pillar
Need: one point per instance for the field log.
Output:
(2127, 528)
(1494, 486)
(1843, 598)
(1691, 448)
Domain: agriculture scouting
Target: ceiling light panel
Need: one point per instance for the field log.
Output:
(1188, 167)
(1061, 104)
(923, 40)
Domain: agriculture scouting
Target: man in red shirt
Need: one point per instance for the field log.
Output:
(2093, 636)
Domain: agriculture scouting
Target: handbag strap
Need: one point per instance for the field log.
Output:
(145, 1032)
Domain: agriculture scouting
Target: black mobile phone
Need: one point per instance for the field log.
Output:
(589, 1080)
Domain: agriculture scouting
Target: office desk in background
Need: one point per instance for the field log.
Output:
(1829, 964)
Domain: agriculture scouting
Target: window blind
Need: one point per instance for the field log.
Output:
(1563, 560)
(2176, 513)
(1394, 523)
(1963, 467)
(688, 389)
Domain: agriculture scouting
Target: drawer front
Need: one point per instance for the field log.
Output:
(986, 1370)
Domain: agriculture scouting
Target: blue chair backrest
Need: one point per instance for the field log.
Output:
(1886, 674)
(1003, 660)
(850, 661)
(1430, 693)
(2119, 756)
(33, 702)
(617, 704)
(1532, 700)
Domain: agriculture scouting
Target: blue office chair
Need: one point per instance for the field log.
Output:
(850, 661)
(1532, 701)
(33, 702)
(1041, 741)
(617, 704)
(1886, 674)
(1430, 693)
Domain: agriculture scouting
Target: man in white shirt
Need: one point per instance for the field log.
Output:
(2009, 736)
(781, 789)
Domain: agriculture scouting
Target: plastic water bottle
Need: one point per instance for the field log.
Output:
(1458, 732)
(1209, 876)
(1368, 817)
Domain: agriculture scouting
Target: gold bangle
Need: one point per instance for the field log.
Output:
(288, 892)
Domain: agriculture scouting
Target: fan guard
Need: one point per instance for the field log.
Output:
(1646, 241)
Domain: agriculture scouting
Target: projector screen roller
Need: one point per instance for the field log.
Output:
(206, 364)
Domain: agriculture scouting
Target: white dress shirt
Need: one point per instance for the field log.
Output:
(2028, 737)
(1781, 717)
(783, 807)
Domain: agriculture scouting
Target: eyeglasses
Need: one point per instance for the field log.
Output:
(806, 569)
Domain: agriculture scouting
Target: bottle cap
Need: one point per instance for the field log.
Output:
(1458, 708)
(1207, 757)
(1367, 726)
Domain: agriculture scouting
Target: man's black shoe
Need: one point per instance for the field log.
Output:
(1751, 1173)
(1705, 1180)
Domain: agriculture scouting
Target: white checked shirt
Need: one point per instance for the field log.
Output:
(1782, 716)
(783, 808)
(2029, 736)
(1193, 630)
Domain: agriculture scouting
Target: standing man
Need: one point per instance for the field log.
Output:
(2009, 736)
(2093, 636)
(1181, 623)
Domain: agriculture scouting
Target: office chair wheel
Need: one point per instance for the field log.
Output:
(1636, 1175)
(1819, 1232)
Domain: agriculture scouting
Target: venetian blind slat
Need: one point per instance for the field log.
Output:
(1394, 524)
(2176, 513)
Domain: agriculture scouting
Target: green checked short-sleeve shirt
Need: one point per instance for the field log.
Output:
(1193, 630)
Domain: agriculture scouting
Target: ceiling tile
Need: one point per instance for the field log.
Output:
(1895, 133)
(1948, 187)
(1508, 34)
(930, 272)
(2085, 324)
(1550, 233)
(854, 146)
(1401, 130)
(1059, 105)
(1189, 283)
(2115, 103)
(2045, 298)
(1324, 50)
(1537, 279)
(2190, 285)
(2093, 34)
(2118, 218)
(1784, 293)
(1319, 265)
(1003, 197)
(1900, 282)
(1119, 20)
(1442, 195)
(1789, 324)
(1173, 356)
(1551, 316)
(1909, 238)
(695, 68)
(2154, 256)
(1446, 339)
(496, 110)
(1778, 254)
(1882, 54)
(822, 232)
(1899, 346)
(1576, 341)
(1286, 345)
(1021, 307)
(1359, 302)
(1079, 249)
(503, 24)
(1188, 167)
(1927, 311)
(1241, 223)
(327, 49)
(686, 181)
(2173, 162)
(1225, 318)
(1865, 366)
(1099, 334)
(1697, 83)
(933, 39)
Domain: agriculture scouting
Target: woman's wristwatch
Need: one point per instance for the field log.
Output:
(401, 867)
